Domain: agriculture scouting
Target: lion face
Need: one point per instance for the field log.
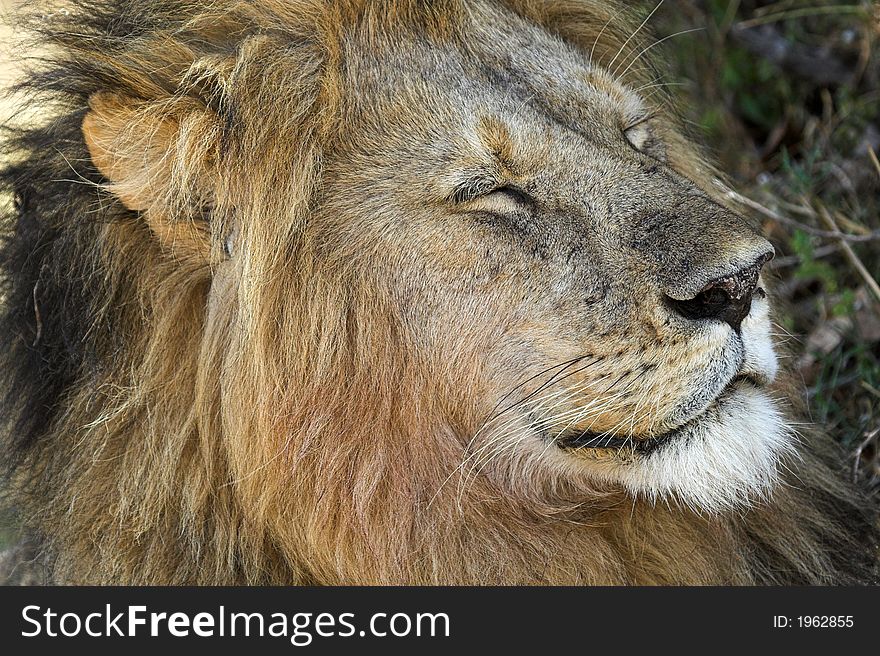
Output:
(535, 232)
(503, 250)
(390, 292)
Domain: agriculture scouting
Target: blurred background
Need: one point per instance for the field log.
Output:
(786, 95)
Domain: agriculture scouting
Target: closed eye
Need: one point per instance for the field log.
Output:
(642, 138)
(514, 194)
(496, 205)
(640, 121)
(490, 191)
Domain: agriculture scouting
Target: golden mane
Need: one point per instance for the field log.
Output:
(169, 422)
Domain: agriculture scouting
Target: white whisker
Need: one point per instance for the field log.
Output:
(630, 38)
(653, 45)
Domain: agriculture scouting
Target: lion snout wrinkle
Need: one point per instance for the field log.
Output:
(696, 246)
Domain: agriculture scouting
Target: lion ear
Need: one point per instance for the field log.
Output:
(159, 161)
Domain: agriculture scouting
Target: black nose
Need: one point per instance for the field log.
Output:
(727, 299)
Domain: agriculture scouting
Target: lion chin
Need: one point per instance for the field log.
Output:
(725, 455)
(727, 458)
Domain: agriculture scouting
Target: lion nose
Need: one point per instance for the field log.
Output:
(728, 298)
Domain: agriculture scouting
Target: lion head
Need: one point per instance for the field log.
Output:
(408, 292)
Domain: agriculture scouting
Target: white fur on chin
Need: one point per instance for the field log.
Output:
(728, 459)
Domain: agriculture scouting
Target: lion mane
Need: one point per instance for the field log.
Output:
(170, 418)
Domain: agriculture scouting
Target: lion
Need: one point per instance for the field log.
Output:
(411, 292)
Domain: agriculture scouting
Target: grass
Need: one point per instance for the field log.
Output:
(787, 95)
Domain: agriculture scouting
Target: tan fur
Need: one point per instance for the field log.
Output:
(301, 407)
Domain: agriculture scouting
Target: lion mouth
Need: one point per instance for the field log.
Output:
(578, 440)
